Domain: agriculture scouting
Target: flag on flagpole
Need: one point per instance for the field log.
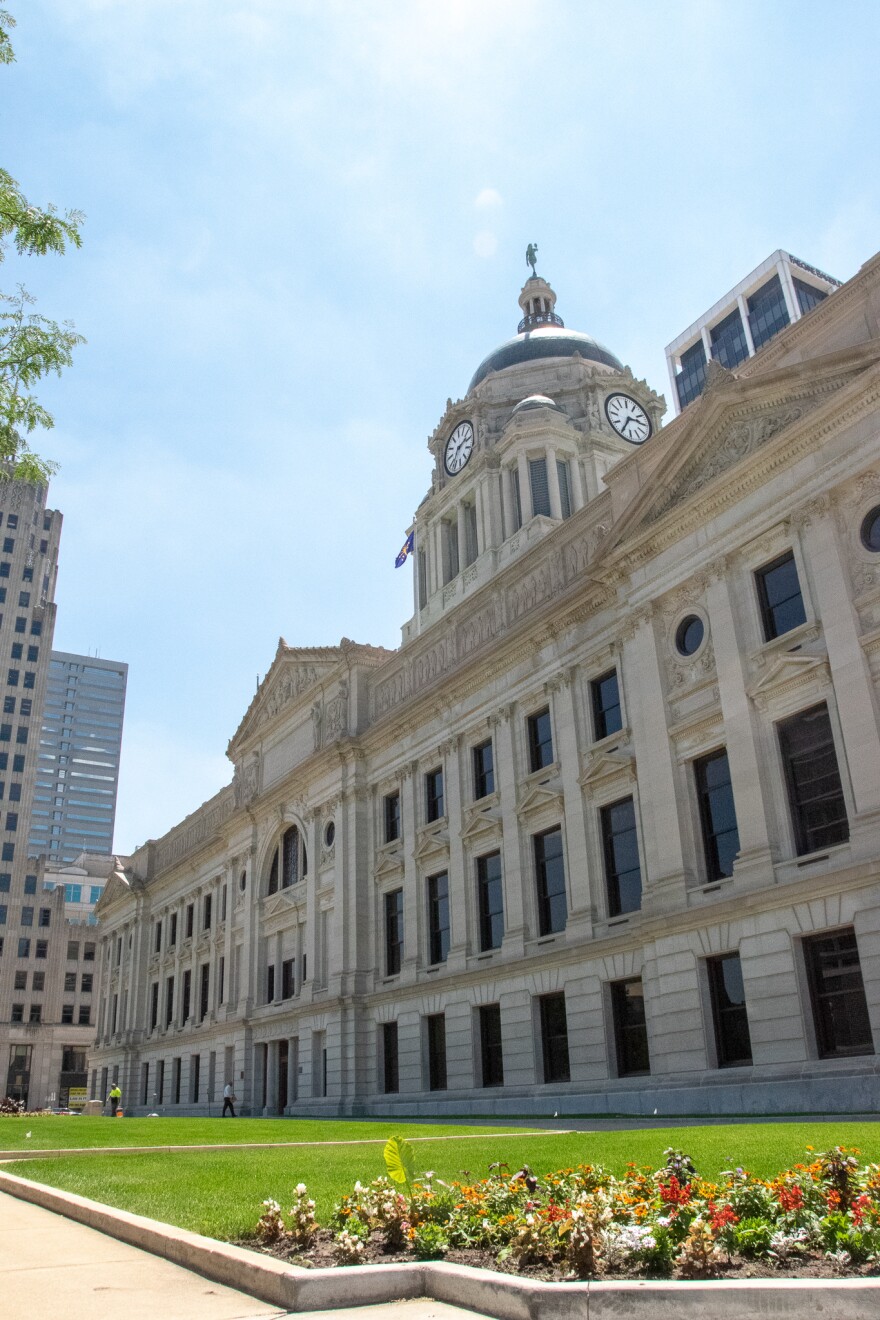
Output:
(406, 550)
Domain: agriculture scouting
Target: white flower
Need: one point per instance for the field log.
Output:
(301, 1189)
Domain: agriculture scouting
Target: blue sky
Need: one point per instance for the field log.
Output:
(306, 224)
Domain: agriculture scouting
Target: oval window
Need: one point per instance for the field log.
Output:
(330, 834)
(689, 635)
(871, 530)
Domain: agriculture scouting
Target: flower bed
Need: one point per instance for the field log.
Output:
(820, 1218)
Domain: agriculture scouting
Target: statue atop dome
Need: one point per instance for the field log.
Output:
(532, 257)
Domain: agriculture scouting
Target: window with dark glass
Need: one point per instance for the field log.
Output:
(157, 937)
(422, 567)
(66, 1014)
(471, 546)
(172, 930)
(717, 814)
(190, 911)
(808, 297)
(393, 932)
(605, 696)
(484, 770)
(451, 560)
(290, 858)
(154, 1005)
(629, 1027)
(554, 1038)
(837, 994)
(564, 476)
(623, 871)
(690, 380)
(728, 340)
(392, 817)
(84, 1018)
(42, 950)
(689, 635)
(870, 530)
(550, 881)
(730, 1021)
(24, 947)
(69, 982)
(815, 793)
(288, 978)
(435, 1026)
(187, 992)
(490, 901)
(539, 487)
(779, 592)
(390, 1060)
(434, 805)
(17, 1014)
(491, 1054)
(438, 918)
(517, 500)
(36, 1013)
(540, 736)
(768, 313)
(206, 912)
(204, 981)
(169, 1001)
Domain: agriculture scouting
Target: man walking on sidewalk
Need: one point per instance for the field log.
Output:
(228, 1097)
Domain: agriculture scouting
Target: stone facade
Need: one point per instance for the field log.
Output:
(640, 635)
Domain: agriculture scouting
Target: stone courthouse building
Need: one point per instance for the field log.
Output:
(604, 833)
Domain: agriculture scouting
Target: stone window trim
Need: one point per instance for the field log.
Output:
(765, 552)
(868, 520)
(801, 941)
(783, 791)
(686, 611)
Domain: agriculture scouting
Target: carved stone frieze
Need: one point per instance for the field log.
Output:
(290, 685)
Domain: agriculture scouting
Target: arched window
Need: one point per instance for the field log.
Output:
(289, 862)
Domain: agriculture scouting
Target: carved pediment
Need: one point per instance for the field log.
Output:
(388, 863)
(431, 841)
(535, 796)
(604, 766)
(295, 674)
(788, 675)
(480, 820)
(281, 902)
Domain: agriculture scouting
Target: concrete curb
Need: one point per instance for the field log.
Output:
(502, 1296)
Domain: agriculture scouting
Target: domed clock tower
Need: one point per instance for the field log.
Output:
(545, 416)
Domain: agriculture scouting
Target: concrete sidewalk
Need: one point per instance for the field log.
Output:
(51, 1267)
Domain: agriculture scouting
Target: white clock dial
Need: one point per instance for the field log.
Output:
(628, 418)
(459, 448)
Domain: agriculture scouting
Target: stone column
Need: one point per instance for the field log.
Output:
(513, 874)
(231, 895)
(664, 882)
(748, 771)
(271, 1101)
(458, 910)
(577, 483)
(292, 1065)
(505, 477)
(312, 932)
(566, 723)
(553, 485)
(853, 687)
(525, 487)
(409, 817)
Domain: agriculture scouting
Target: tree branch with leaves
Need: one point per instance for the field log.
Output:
(31, 346)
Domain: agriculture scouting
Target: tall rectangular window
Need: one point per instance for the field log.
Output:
(490, 901)
(391, 812)
(630, 1028)
(390, 1059)
(605, 700)
(540, 736)
(768, 313)
(564, 475)
(554, 1038)
(393, 932)
(206, 912)
(175, 1080)
(435, 1026)
(451, 562)
(730, 1021)
(471, 547)
(728, 340)
(550, 882)
(204, 979)
(195, 1073)
(157, 942)
(540, 489)
(172, 930)
(837, 994)
(169, 1001)
(517, 499)
(717, 814)
(438, 918)
(491, 1054)
(422, 569)
(623, 872)
(779, 593)
(690, 380)
(190, 910)
(815, 793)
(484, 770)
(434, 804)
(160, 1081)
(154, 1005)
(187, 993)
(288, 978)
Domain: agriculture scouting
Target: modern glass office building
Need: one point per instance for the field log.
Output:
(781, 290)
(78, 769)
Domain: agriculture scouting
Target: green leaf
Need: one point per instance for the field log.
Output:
(399, 1160)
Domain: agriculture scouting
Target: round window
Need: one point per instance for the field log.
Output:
(871, 530)
(689, 635)
(330, 834)
(242, 883)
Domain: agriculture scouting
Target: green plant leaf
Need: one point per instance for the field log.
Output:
(399, 1160)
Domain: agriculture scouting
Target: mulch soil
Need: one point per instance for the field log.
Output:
(324, 1255)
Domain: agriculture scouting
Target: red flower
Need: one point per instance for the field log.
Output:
(674, 1192)
(859, 1206)
(719, 1218)
(791, 1198)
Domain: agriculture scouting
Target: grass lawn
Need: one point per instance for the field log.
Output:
(220, 1194)
(61, 1132)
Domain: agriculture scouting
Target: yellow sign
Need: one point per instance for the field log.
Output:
(76, 1097)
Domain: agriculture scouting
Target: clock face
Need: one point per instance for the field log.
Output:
(459, 448)
(628, 418)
